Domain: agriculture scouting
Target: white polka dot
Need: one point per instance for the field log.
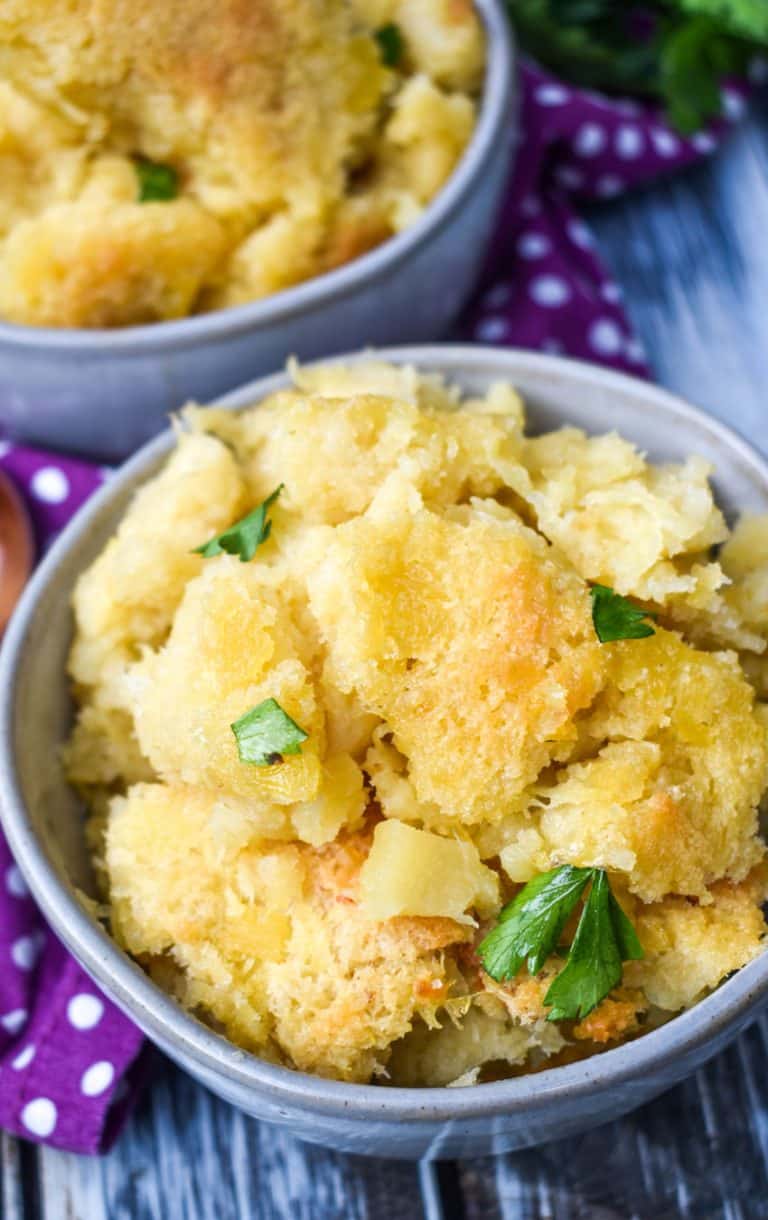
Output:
(572, 179)
(552, 94)
(499, 296)
(665, 143)
(26, 950)
(635, 351)
(14, 1021)
(24, 1058)
(97, 1079)
(734, 104)
(629, 142)
(549, 290)
(611, 292)
(608, 186)
(5, 448)
(590, 140)
(605, 337)
(530, 206)
(580, 234)
(50, 484)
(533, 245)
(15, 883)
(704, 142)
(39, 1116)
(491, 330)
(85, 1011)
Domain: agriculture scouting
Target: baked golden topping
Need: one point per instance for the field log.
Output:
(161, 159)
(448, 756)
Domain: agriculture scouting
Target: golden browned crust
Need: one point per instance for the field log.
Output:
(266, 110)
(466, 729)
(270, 940)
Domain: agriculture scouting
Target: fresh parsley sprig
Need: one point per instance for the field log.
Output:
(530, 927)
(244, 537)
(157, 183)
(617, 618)
(676, 51)
(266, 733)
(604, 940)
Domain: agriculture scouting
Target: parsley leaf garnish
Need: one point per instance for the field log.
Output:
(157, 183)
(604, 940)
(616, 618)
(529, 928)
(244, 537)
(746, 17)
(266, 734)
(676, 51)
(391, 44)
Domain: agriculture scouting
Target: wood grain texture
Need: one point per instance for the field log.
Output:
(188, 1156)
(692, 256)
(696, 1153)
(11, 1193)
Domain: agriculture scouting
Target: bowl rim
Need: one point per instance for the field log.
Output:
(495, 111)
(182, 1034)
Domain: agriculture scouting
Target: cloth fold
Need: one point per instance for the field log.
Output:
(69, 1060)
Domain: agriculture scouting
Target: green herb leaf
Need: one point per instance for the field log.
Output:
(693, 59)
(676, 51)
(529, 927)
(266, 734)
(604, 940)
(616, 618)
(391, 44)
(157, 183)
(747, 18)
(244, 537)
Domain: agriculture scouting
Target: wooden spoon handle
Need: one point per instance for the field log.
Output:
(17, 548)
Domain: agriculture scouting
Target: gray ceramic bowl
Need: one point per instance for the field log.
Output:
(104, 392)
(43, 821)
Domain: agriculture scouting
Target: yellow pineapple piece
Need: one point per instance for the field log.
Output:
(414, 872)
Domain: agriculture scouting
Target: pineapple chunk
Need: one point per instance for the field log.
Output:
(415, 872)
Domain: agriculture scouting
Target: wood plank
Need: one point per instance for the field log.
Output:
(696, 1153)
(692, 257)
(189, 1156)
(11, 1190)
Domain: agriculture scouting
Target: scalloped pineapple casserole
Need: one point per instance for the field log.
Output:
(162, 159)
(416, 749)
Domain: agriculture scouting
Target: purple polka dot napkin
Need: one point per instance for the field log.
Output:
(68, 1058)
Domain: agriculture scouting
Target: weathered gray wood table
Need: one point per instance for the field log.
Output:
(692, 256)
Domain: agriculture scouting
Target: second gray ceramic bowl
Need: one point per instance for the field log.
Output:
(104, 392)
(43, 821)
